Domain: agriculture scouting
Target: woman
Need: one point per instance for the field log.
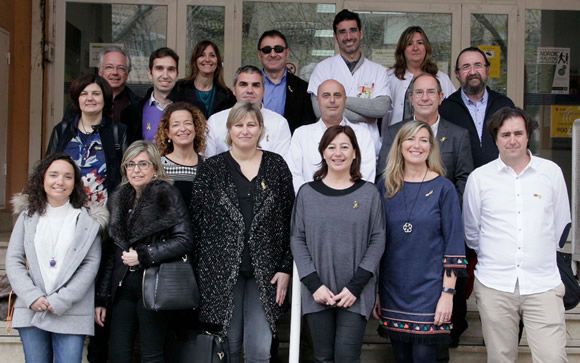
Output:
(205, 85)
(242, 201)
(52, 261)
(180, 138)
(413, 56)
(424, 249)
(92, 140)
(338, 265)
(149, 226)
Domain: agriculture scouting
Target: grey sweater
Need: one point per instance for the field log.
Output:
(333, 234)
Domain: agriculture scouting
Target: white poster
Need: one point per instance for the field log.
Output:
(560, 59)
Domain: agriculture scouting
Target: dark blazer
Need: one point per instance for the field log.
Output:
(298, 109)
(219, 235)
(454, 147)
(454, 110)
(132, 117)
(113, 137)
(184, 90)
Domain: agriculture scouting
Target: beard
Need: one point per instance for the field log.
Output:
(473, 89)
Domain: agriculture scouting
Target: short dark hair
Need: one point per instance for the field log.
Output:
(498, 118)
(79, 84)
(34, 188)
(272, 34)
(343, 15)
(162, 53)
(471, 49)
(330, 134)
(248, 69)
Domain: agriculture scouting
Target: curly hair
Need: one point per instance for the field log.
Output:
(218, 76)
(162, 140)
(34, 187)
(428, 65)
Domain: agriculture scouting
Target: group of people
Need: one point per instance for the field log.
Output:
(370, 180)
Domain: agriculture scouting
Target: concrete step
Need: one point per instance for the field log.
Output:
(6, 221)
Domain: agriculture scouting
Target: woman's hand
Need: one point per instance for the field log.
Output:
(324, 296)
(444, 309)
(377, 308)
(41, 304)
(345, 299)
(100, 315)
(130, 258)
(280, 279)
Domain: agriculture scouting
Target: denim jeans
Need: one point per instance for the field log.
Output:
(249, 327)
(413, 352)
(337, 335)
(41, 346)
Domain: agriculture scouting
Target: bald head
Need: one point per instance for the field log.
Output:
(331, 99)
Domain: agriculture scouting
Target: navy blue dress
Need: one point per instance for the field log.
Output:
(412, 268)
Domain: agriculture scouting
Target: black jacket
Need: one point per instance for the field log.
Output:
(158, 228)
(298, 108)
(184, 91)
(132, 117)
(454, 110)
(113, 137)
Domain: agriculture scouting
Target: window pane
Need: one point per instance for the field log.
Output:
(204, 22)
(490, 33)
(383, 29)
(307, 27)
(139, 29)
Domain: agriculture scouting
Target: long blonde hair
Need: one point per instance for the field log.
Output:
(395, 170)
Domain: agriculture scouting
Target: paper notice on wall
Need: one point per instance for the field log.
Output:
(95, 50)
(559, 58)
(562, 119)
(493, 54)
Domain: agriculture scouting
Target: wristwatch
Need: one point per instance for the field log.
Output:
(448, 290)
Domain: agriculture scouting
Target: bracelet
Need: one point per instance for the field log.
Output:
(448, 290)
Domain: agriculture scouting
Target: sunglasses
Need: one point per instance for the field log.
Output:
(268, 49)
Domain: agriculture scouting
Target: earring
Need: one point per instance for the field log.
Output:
(169, 141)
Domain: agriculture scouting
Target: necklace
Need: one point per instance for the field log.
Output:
(408, 226)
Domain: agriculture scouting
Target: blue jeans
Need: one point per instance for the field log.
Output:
(414, 352)
(41, 346)
(249, 326)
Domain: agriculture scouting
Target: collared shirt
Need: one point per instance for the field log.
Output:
(304, 159)
(476, 110)
(435, 126)
(275, 94)
(152, 113)
(276, 136)
(514, 223)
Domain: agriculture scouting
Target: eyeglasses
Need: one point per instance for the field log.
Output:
(431, 92)
(268, 49)
(109, 68)
(476, 66)
(142, 164)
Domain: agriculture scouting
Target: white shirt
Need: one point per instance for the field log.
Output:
(276, 133)
(514, 223)
(304, 159)
(368, 81)
(398, 89)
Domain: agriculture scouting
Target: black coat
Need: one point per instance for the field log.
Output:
(454, 110)
(184, 91)
(298, 108)
(113, 137)
(158, 228)
(219, 235)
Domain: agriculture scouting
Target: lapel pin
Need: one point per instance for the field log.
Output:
(443, 139)
(355, 205)
(263, 184)
(429, 193)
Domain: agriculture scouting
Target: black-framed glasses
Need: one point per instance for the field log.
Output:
(141, 164)
(268, 49)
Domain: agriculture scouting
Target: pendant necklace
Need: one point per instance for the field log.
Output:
(408, 226)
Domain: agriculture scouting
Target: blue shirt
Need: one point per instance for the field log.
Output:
(275, 94)
(476, 110)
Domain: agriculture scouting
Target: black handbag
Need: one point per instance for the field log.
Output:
(572, 295)
(170, 286)
(204, 347)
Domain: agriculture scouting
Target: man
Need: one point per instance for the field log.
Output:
(143, 117)
(473, 104)
(284, 92)
(114, 66)
(304, 159)
(426, 95)
(471, 107)
(249, 87)
(515, 211)
(365, 82)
